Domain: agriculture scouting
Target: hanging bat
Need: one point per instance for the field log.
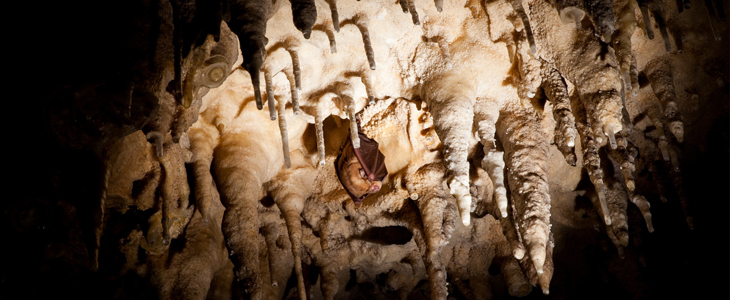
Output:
(361, 170)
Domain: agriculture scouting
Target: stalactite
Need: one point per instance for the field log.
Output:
(202, 142)
(305, 15)
(557, 93)
(427, 182)
(439, 5)
(156, 138)
(333, 42)
(658, 173)
(294, 92)
(526, 151)
(517, 284)
(714, 26)
(318, 124)
(335, 15)
(571, 11)
(540, 278)
(270, 94)
(625, 157)
(601, 14)
(520, 10)
(617, 199)
(678, 183)
(444, 46)
(404, 5)
(249, 24)
(625, 27)
(367, 80)
(591, 158)
(660, 75)
(414, 13)
(281, 111)
(362, 23)
(344, 90)
(294, 52)
(644, 7)
(493, 162)
(240, 168)
(644, 207)
(452, 105)
(289, 193)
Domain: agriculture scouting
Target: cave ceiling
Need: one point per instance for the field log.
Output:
(181, 149)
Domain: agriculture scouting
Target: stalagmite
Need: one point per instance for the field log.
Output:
(571, 11)
(526, 151)
(644, 207)
(294, 92)
(305, 15)
(362, 23)
(281, 111)
(451, 102)
(270, 95)
(520, 10)
(591, 158)
(659, 73)
(557, 92)
(414, 13)
(335, 15)
(601, 14)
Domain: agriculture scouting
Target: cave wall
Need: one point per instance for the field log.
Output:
(529, 155)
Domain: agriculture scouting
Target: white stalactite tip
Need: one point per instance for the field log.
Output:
(537, 255)
(630, 185)
(501, 195)
(414, 196)
(677, 128)
(518, 253)
(353, 131)
(601, 191)
(460, 191)
(611, 130)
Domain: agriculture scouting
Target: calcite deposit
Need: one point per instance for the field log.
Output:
(515, 134)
